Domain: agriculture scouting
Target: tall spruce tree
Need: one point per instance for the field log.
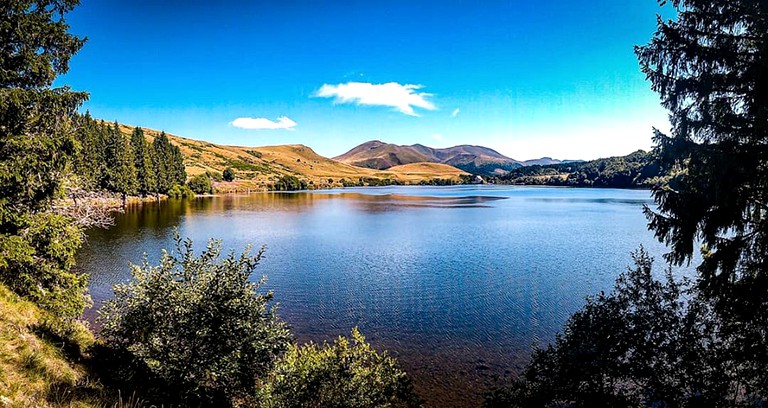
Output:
(120, 172)
(161, 157)
(89, 162)
(169, 164)
(145, 171)
(710, 67)
(36, 147)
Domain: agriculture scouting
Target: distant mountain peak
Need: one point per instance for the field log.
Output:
(474, 159)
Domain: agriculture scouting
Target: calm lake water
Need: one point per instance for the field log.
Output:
(458, 282)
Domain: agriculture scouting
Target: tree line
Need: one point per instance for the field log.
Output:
(639, 169)
(105, 158)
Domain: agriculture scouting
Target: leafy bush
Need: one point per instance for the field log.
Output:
(289, 183)
(37, 264)
(214, 175)
(200, 184)
(228, 174)
(178, 191)
(647, 343)
(347, 373)
(198, 323)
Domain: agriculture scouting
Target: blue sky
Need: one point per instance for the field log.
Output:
(529, 79)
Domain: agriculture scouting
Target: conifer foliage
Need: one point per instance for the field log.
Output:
(705, 344)
(109, 159)
(710, 67)
(37, 248)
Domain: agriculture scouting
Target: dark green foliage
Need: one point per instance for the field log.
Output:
(289, 183)
(178, 191)
(37, 264)
(199, 323)
(440, 182)
(89, 162)
(228, 174)
(201, 184)
(638, 169)
(710, 67)
(254, 153)
(109, 159)
(648, 343)
(347, 373)
(36, 44)
(120, 174)
(142, 160)
(373, 181)
(36, 149)
(487, 169)
(214, 175)
(168, 163)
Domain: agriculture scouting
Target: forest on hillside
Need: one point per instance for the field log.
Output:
(636, 170)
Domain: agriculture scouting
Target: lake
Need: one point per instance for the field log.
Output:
(459, 283)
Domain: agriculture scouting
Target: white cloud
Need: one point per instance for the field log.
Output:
(283, 122)
(455, 112)
(401, 97)
(437, 136)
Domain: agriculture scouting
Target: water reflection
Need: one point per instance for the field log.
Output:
(458, 282)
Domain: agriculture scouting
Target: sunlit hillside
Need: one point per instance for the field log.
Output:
(257, 167)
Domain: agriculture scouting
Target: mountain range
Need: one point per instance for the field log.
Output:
(472, 159)
(370, 163)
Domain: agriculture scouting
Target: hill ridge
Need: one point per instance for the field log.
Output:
(476, 159)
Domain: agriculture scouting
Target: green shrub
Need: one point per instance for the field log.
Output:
(347, 373)
(200, 184)
(289, 183)
(178, 191)
(199, 323)
(214, 175)
(648, 343)
(37, 264)
(228, 174)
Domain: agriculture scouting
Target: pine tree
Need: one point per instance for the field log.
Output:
(89, 163)
(145, 172)
(161, 156)
(169, 164)
(36, 149)
(121, 172)
(710, 67)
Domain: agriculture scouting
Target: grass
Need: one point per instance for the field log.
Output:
(257, 167)
(39, 368)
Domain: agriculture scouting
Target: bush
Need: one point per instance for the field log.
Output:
(200, 184)
(178, 191)
(289, 183)
(198, 323)
(347, 373)
(37, 264)
(228, 174)
(214, 175)
(647, 343)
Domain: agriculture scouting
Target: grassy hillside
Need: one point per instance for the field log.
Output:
(474, 159)
(258, 167)
(434, 170)
(38, 369)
